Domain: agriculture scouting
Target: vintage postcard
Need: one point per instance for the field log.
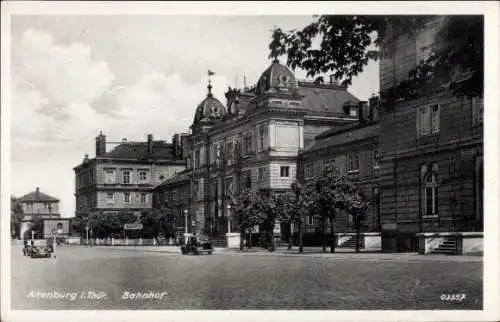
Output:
(250, 161)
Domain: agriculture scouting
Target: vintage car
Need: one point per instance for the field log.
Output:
(41, 252)
(197, 245)
(37, 251)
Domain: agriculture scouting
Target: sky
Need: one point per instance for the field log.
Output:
(127, 76)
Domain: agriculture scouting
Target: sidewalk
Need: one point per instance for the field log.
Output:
(312, 252)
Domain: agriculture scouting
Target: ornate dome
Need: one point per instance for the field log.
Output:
(277, 78)
(209, 109)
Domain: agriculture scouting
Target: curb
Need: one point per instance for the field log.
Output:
(335, 256)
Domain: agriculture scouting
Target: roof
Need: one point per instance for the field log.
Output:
(179, 177)
(344, 135)
(209, 109)
(276, 77)
(139, 150)
(325, 98)
(37, 196)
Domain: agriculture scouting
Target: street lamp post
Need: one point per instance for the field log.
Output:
(87, 231)
(229, 218)
(186, 221)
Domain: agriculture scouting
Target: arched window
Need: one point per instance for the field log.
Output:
(430, 194)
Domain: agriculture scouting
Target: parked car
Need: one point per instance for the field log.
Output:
(41, 252)
(197, 245)
(38, 251)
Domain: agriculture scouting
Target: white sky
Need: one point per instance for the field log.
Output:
(127, 76)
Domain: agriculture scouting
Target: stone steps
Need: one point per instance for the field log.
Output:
(448, 246)
(351, 242)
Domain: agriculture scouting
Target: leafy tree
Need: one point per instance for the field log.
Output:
(345, 43)
(245, 214)
(358, 207)
(37, 227)
(105, 225)
(288, 212)
(151, 223)
(16, 217)
(263, 210)
(333, 192)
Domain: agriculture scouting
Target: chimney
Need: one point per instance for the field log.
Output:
(150, 143)
(85, 158)
(124, 140)
(37, 192)
(176, 144)
(100, 145)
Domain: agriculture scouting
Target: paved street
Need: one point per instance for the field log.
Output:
(98, 278)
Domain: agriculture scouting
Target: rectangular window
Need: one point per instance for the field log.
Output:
(310, 220)
(174, 195)
(353, 111)
(109, 176)
(261, 173)
(376, 158)
(230, 153)
(197, 160)
(144, 198)
(261, 138)
(428, 120)
(126, 197)
(248, 144)
(143, 176)
(353, 164)
(126, 177)
(477, 110)
(284, 171)
(110, 198)
(309, 170)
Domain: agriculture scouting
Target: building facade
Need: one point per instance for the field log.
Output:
(121, 180)
(431, 177)
(254, 141)
(354, 150)
(36, 205)
(173, 196)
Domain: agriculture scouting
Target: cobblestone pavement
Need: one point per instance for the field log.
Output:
(231, 280)
(315, 252)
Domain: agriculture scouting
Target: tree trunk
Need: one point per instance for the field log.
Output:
(323, 233)
(290, 235)
(333, 241)
(242, 237)
(249, 239)
(301, 237)
(271, 242)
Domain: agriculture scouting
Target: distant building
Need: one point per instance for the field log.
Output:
(36, 205)
(121, 180)
(174, 196)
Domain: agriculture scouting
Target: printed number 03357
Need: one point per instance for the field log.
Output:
(453, 297)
